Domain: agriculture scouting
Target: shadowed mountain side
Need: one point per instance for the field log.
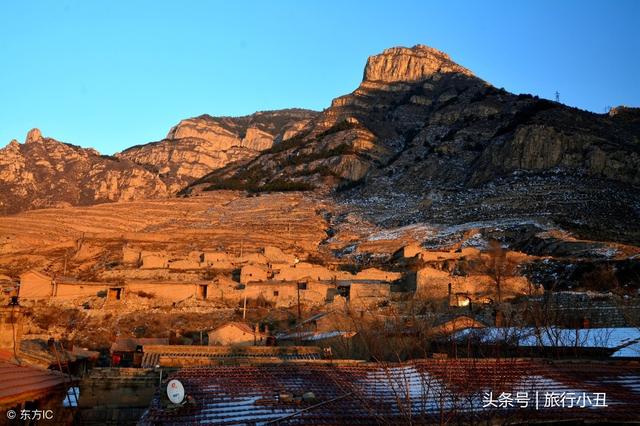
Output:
(439, 146)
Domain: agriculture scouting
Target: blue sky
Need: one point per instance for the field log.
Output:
(111, 74)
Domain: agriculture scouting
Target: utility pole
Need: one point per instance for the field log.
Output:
(299, 325)
(299, 314)
(244, 308)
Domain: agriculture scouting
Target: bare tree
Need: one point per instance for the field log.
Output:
(497, 265)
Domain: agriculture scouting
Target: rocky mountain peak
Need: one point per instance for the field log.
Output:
(34, 135)
(409, 64)
(44, 172)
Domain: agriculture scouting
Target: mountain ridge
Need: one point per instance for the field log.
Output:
(198, 145)
(427, 136)
(44, 172)
(432, 145)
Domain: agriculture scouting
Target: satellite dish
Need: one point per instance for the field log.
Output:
(175, 391)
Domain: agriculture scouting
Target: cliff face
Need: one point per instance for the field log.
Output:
(43, 172)
(423, 139)
(409, 65)
(197, 146)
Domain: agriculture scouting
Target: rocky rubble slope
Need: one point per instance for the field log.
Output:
(43, 172)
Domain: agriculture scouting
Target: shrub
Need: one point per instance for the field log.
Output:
(145, 294)
(282, 185)
(56, 316)
(349, 184)
(230, 184)
(339, 127)
(288, 144)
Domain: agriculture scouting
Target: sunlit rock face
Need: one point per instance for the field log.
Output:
(409, 65)
(200, 145)
(44, 172)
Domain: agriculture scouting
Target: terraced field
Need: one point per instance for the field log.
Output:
(223, 220)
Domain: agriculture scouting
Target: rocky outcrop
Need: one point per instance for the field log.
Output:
(34, 135)
(355, 134)
(200, 145)
(43, 172)
(401, 64)
(205, 128)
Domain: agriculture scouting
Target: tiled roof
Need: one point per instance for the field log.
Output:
(601, 310)
(609, 338)
(311, 336)
(83, 353)
(180, 354)
(423, 391)
(22, 383)
(37, 352)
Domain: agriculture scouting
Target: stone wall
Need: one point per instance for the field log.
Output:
(35, 286)
(174, 291)
(368, 294)
(253, 273)
(71, 290)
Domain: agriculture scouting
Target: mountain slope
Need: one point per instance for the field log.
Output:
(423, 139)
(43, 172)
(199, 145)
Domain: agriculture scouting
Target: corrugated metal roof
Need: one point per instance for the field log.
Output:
(21, 382)
(422, 391)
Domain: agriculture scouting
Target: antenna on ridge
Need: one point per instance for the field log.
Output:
(557, 96)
